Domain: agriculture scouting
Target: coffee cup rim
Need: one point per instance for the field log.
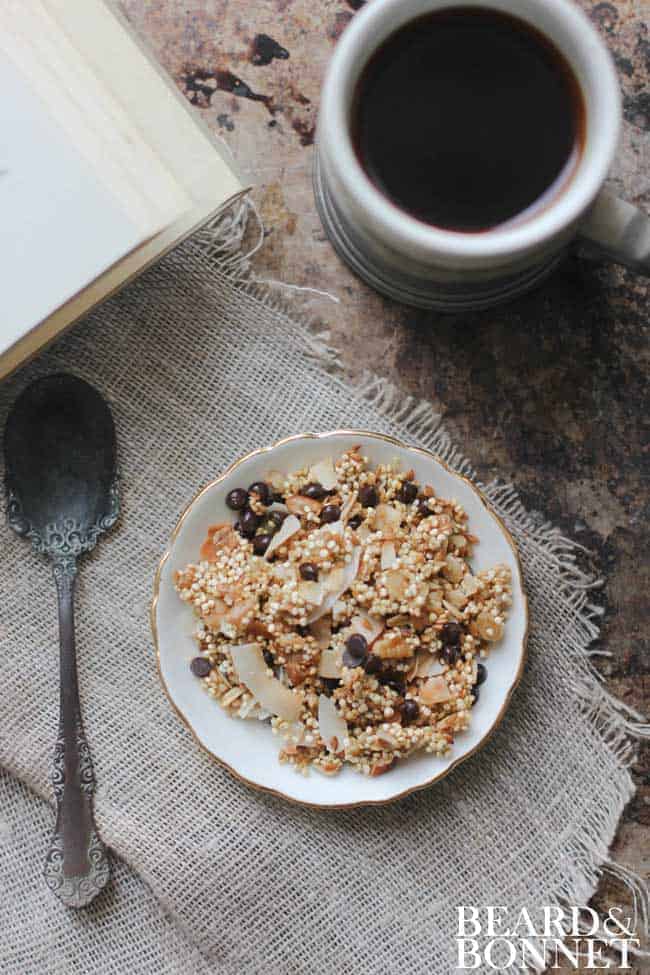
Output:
(428, 243)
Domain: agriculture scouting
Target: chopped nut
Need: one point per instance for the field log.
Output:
(392, 646)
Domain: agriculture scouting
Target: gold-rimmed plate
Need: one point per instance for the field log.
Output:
(248, 748)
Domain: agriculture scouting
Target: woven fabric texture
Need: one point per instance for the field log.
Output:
(200, 367)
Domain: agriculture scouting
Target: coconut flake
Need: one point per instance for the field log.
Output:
(387, 519)
(321, 630)
(323, 473)
(388, 555)
(330, 664)
(311, 592)
(332, 727)
(364, 532)
(336, 582)
(347, 508)
(435, 691)
(368, 626)
(268, 691)
(289, 527)
(428, 665)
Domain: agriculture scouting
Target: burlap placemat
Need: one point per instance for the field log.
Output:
(200, 367)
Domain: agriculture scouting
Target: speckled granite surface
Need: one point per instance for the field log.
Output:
(551, 390)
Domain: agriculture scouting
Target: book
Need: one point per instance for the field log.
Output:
(104, 166)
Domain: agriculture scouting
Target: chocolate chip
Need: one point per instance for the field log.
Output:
(261, 489)
(355, 522)
(450, 654)
(451, 634)
(200, 666)
(395, 679)
(275, 519)
(309, 572)
(314, 490)
(237, 499)
(481, 675)
(368, 496)
(261, 543)
(247, 524)
(356, 649)
(268, 658)
(423, 507)
(372, 664)
(408, 492)
(331, 683)
(410, 710)
(330, 513)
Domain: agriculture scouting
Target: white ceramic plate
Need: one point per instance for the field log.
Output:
(248, 748)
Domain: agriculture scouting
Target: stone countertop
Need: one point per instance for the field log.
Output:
(549, 391)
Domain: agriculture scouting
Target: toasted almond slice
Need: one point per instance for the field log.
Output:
(252, 671)
(323, 473)
(331, 725)
(388, 555)
(387, 519)
(435, 691)
(289, 527)
(298, 504)
(330, 664)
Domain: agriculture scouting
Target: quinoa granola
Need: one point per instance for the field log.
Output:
(341, 606)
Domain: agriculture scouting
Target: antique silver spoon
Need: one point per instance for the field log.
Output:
(60, 458)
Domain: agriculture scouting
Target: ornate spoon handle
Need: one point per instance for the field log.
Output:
(76, 866)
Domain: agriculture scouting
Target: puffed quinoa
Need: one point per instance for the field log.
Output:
(372, 653)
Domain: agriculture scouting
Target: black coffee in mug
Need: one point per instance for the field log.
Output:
(468, 119)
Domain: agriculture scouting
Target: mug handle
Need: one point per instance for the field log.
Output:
(618, 231)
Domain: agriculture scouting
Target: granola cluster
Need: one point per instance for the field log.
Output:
(341, 606)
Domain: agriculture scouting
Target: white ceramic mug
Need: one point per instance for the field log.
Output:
(422, 265)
